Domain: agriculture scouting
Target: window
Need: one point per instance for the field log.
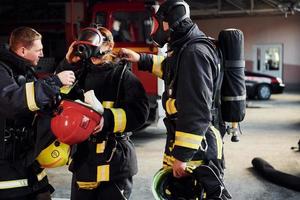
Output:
(131, 26)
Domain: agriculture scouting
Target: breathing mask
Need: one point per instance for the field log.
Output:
(88, 44)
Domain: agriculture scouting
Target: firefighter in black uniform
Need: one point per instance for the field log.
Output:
(23, 132)
(189, 87)
(103, 165)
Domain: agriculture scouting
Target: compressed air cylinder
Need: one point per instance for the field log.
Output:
(233, 89)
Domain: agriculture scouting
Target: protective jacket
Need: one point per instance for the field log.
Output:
(188, 97)
(23, 132)
(110, 155)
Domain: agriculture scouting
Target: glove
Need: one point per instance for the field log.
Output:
(90, 98)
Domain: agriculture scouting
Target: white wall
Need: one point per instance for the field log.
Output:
(265, 30)
(262, 30)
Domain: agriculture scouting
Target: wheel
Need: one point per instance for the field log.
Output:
(264, 92)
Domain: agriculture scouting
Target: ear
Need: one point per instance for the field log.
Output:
(23, 51)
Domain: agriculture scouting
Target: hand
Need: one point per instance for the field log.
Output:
(91, 99)
(99, 127)
(67, 77)
(71, 58)
(129, 55)
(179, 169)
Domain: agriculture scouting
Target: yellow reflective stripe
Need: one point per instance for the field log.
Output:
(120, 119)
(195, 163)
(188, 140)
(168, 160)
(29, 87)
(170, 106)
(103, 173)
(41, 175)
(108, 104)
(219, 141)
(13, 184)
(87, 185)
(156, 67)
(100, 147)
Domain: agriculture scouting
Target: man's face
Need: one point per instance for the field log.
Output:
(34, 53)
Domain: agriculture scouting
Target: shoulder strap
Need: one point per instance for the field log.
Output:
(119, 76)
(216, 91)
(207, 41)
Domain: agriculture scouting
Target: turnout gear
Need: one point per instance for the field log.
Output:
(22, 135)
(172, 12)
(189, 91)
(88, 43)
(73, 122)
(188, 99)
(108, 156)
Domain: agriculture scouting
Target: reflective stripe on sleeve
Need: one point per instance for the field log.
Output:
(41, 175)
(170, 106)
(157, 68)
(188, 140)
(234, 98)
(119, 119)
(219, 141)
(103, 173)
(13, 184)
(108, 104)
(29, 87)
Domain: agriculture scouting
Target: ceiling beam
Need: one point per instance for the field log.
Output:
(234, 4)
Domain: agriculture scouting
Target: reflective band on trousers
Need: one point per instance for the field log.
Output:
(20, 182)
(234, 98)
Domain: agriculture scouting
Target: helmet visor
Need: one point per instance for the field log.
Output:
(90, 36)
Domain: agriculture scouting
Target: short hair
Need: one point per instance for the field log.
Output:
(23, 36)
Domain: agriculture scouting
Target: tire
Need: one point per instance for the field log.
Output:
(264, 92)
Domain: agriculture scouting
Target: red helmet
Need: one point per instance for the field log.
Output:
(73, 122)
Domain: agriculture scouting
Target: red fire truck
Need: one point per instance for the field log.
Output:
(60, 21)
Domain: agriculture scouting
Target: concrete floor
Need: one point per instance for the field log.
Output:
(270, 129)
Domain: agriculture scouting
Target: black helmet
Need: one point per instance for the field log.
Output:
(166, 187)
(173, 12)
(204, 180)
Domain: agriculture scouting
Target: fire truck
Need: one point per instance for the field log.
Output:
(60, 21)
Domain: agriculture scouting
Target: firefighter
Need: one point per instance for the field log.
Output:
(103, 166)
(190, 83)
(23, 132)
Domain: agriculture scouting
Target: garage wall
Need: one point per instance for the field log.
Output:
(265, 30)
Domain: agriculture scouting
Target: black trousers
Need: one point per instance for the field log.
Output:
(37, 196)
(112, 190)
